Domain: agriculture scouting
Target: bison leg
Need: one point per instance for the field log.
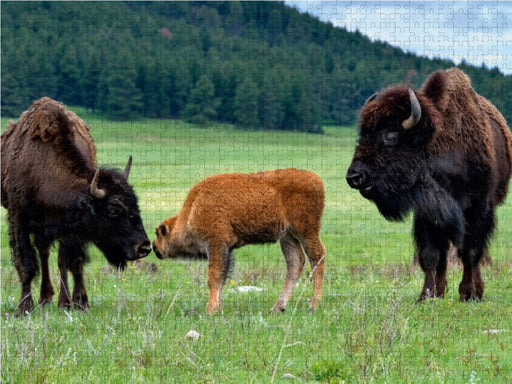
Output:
(72, 257)
(295, 260)
(47, 292)
(25, 262)
(218, 266)
(480, 219)
(432, 252)
(472, 286)
(64, 295)
(316, 254)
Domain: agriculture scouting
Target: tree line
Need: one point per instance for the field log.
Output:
(258, 65)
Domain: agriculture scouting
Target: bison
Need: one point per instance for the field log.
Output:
(445, 153)
(228, 211)
(53, 191)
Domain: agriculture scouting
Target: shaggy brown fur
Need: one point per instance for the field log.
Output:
(48, 164)
(451, 168)
(228, 211)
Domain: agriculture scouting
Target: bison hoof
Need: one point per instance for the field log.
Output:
(26, 306)
(277, 309)
(426, 294)
(81, 304)
(468, 292)
(211, 309)
(64, 304)
(470, 297)
(45, 300)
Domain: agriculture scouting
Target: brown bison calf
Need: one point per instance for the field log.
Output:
(228, 211)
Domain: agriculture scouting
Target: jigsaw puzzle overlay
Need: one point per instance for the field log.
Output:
(275, 303)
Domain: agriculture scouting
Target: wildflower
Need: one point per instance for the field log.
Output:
(232, 282)
(7, 315)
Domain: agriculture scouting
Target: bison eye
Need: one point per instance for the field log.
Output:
(390, 139)
(114, 210)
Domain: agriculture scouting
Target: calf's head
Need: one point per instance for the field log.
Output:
(391, 157)
(162, 243)
(116, 226)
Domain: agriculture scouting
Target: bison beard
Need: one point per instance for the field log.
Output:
(53, 191)
(445, 153)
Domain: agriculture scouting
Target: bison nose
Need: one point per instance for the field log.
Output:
(143, 249)
(356, 178)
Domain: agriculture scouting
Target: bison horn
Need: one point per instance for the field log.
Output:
(95, 191)
(371, 98)
(126, 172)
(415, 117)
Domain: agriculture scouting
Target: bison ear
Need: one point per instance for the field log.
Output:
(435, 86)
(164, 230)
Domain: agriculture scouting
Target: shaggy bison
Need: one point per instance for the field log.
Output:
(228, 211)
(52, 190)
(445, 153)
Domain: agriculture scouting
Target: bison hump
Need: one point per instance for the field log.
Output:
(45, 119)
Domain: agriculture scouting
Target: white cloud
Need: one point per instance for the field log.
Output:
(476, 31)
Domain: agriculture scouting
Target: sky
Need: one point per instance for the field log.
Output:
(475, 31)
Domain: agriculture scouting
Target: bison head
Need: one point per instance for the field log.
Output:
(161, 245)
(391, 158)
(116, 226)
(171, 243)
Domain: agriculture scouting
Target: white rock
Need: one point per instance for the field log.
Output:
(193, 335)
(494, 331)
(248, 288)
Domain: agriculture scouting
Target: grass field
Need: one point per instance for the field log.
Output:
(368, 327)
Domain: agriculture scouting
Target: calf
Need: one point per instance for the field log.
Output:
(228, 211)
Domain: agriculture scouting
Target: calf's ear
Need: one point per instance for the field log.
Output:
(435, 86)
(164, 229)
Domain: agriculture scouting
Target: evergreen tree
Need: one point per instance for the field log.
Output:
(12, 100)
(246, 105)
(123, 99)
(68, 88)
(202, 105)
(90, 83)
(271, 110)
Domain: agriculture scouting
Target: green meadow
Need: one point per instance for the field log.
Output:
(368, 328)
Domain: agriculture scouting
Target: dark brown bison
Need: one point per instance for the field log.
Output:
(52, 190)
(445, 153)
(228, 211)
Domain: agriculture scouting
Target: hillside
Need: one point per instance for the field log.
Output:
(258, 65)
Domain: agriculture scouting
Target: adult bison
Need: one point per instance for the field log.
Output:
(228, 211)
(52, 190)
(445, 153)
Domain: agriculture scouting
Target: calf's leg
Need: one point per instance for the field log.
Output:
(218, 267)
(295, 260)
(316, 254)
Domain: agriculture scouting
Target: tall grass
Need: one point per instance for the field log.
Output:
(368, 327)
